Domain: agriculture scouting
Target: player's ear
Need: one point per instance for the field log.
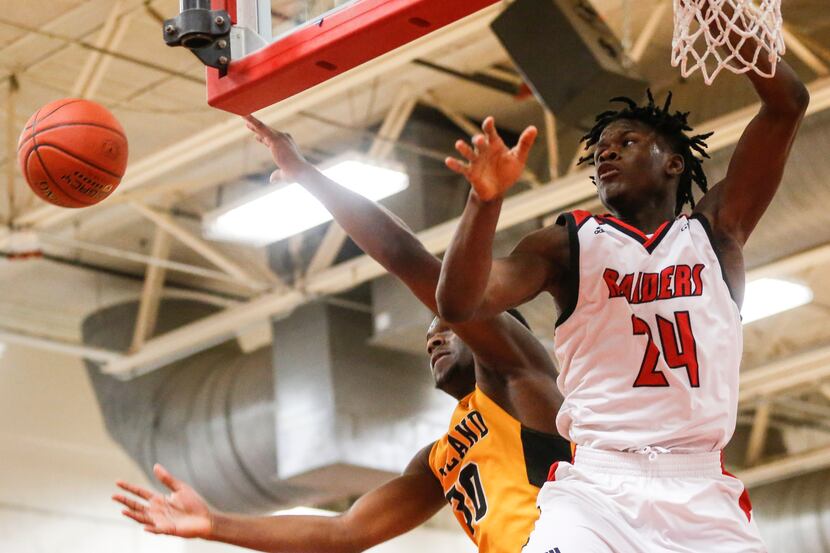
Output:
(675, 165)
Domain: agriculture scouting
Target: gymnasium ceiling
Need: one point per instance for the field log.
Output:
(186, 158)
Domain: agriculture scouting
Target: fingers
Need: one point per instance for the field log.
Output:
(262, 132)
(166, 478)
(263, 140)
(526, 141)
(457, 166)
(276, 176)
(480, 142)
(135, 490)
(129, 503)
(489, 128)
(140, 518)
(465, 150)
(253, 121)
(253, 127)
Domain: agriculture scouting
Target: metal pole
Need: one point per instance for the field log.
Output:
(194, 5)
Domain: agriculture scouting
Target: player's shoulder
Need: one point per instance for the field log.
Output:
(421, 462)
(573, 220)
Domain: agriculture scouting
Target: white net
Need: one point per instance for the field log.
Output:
(731, 34)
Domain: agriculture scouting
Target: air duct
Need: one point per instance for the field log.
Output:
(321, 418)
(208, 418)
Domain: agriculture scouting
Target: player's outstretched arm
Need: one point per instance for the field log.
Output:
(377, 231)
(473, 285)
(499, 340)
(388, 511)
(735, 205)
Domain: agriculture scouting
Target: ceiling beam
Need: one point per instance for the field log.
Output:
(58, 346)
(101, 68)
(118, 55)
(809, 367)
(802, 52)
(135, 257)
(206, 250)
(11, 146)
(145, 322)
(787, 467)
(105, 41)
(648, 31)
(551, 143)
(758, 434)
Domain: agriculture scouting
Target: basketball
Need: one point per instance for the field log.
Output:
(72, 152)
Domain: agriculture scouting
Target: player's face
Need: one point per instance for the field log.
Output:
(634, 166)
(450, 359)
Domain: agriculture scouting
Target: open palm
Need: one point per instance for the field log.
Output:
(492, 168)
(181, 513)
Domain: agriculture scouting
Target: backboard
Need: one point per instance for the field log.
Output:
(315, 40)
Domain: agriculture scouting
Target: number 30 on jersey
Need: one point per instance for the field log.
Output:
(467, 496)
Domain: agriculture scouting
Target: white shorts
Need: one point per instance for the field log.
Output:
(612, 502)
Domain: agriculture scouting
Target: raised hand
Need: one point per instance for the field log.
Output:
(181, 513)
(284, 151)
(492, 168)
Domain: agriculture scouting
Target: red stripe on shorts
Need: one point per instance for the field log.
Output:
(743, 502)
(552, 472)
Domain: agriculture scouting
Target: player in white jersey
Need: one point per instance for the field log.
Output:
(649, 334)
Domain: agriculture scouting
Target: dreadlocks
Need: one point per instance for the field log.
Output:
(672, 127)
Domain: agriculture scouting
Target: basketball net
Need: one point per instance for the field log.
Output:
(697, 46)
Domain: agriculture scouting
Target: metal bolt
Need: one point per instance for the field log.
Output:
(219, 20)
(169, 29)
(223, 60)
(222, 43)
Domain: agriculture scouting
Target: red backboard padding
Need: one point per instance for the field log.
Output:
(314, 54)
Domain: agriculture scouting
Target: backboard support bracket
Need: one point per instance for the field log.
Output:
(203, 31)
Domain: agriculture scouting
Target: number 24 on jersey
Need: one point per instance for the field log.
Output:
(678, 346)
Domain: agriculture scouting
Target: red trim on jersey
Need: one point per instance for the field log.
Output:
(552, 472)
(621, 223)
(656, 234)
(580, 215)
(743, 502)
(648, 243)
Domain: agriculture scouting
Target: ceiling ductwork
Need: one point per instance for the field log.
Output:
(208, 418)
(321, 417)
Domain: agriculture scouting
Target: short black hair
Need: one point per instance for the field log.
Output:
(672, 127)
(519, 317)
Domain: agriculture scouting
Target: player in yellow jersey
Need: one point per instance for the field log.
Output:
(490, 464)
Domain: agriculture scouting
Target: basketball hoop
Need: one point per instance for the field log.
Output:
(697, 46)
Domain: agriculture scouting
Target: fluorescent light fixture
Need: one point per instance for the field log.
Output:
(767, 296)
(284, 210)
(305, 511)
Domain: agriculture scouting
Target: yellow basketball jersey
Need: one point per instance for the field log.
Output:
(491, 468)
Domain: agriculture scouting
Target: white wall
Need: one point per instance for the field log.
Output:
(58, 465)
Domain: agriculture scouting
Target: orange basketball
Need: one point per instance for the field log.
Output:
(72, 152)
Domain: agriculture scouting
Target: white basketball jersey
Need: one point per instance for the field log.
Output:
(651, 349)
